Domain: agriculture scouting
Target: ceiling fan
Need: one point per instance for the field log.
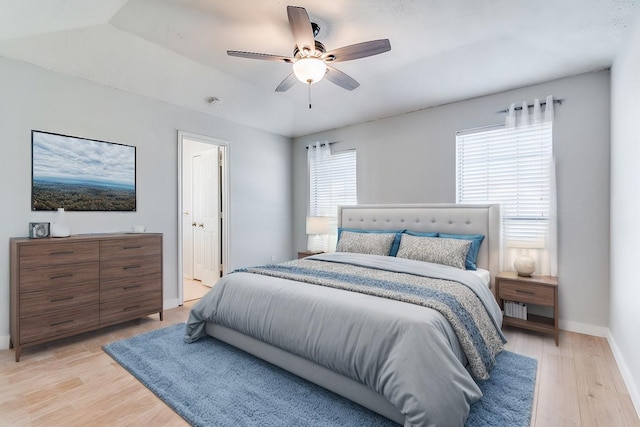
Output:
(310, 58)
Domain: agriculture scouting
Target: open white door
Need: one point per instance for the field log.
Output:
(206, 216)
(212, 210)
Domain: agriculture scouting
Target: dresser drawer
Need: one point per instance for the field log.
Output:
(49, 301)
(527, 292)
(123, 270)
(56, 277)
(125, 309)
(126, 288)
(56, 253)
(127, 248)
(52, 324)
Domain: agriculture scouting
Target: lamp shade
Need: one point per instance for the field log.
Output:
(309, 70)
(317, 225)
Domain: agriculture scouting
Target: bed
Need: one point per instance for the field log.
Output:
(371, 328)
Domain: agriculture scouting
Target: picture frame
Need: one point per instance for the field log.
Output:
(81, 174)
(39, 230)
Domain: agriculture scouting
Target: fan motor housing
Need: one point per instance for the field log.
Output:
(318, 52)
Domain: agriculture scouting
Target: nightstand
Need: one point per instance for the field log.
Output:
(304, 254)
(536, 290)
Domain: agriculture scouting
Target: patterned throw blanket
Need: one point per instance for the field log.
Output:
(479, 338)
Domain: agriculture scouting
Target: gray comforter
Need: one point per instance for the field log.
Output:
(419, 358)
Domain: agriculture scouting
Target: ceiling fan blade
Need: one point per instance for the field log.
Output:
(263, 56)
(341, 79)
(301, 27)
(287, 83)
(358, 50)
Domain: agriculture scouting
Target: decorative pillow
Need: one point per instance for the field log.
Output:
(452, 252)
(396, 240)
(474, 249)
(365, 243)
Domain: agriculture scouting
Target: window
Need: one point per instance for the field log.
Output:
(511, 166)
(332, 182)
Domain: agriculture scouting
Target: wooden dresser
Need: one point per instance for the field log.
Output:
(65, 286)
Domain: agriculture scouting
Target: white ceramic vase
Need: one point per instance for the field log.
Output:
(524, 265)
(58, 228)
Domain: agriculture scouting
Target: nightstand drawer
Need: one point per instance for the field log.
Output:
(527, 292)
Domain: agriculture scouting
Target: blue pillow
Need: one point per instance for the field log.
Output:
(394, 246)
(474, 249)
(421, 233)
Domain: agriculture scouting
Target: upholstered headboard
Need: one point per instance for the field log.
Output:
(443, 218)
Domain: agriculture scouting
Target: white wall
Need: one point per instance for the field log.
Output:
(260, 168)
(411, 159)
(625, 207)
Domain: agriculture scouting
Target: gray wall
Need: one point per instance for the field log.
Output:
(411, 159)
(260, 168)
(625, 206)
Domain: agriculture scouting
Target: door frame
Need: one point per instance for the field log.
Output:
(225, 215)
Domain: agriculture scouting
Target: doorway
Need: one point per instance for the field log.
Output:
(203, 214)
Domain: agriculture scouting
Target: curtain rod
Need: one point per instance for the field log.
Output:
(322, 143)
(555, 101)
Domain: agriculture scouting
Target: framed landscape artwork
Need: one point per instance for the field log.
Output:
(80, 174)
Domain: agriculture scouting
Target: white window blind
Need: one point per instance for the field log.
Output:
(332, 182)
(510, 166)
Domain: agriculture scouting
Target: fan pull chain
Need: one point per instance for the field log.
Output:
(309, 94)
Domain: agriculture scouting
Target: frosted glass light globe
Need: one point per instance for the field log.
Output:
(309, 70)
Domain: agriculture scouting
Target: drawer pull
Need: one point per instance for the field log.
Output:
(132, 247)
(62, 323)
(131, 267)
(525, 292)
(62, 253)
(131, 308)
(61, 299)
(60, 276)
(131, 287)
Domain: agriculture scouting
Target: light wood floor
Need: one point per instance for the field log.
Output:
(193, 289)
(72, 382)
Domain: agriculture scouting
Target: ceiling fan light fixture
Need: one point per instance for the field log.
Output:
(309, 70)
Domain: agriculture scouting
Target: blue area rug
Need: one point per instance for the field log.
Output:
(210, 383)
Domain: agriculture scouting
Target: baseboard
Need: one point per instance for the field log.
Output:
(632, 387)
(583, 328)
(4, 342)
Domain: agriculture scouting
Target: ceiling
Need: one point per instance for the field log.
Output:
(441, 51)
